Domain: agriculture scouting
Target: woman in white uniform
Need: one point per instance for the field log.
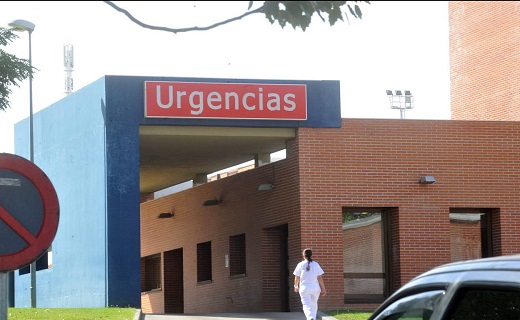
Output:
(309, 283)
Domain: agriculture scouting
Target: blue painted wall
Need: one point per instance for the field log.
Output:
(69, 146)
(88, 145)
(123, 115)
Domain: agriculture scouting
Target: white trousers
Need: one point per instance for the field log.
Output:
(310, 303)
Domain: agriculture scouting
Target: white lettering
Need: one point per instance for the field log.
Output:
(252, 101)
(233, 95)
(179, 97)
(198, 107)
(214, 97)
(170, 97)
(260, 99)
(288, 98)
(244, 101)
(274, 103)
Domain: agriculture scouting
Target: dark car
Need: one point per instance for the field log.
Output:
(487, 288)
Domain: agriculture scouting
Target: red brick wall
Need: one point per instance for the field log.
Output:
(378, 163)
(485, 60)
(244, 209)
(366, 163)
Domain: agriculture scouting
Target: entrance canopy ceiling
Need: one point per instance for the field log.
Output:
(170, 155)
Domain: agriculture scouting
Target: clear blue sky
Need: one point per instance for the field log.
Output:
(397, 45)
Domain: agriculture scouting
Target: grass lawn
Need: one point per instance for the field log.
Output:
(71, 313)
(349, 315)
(124, 314)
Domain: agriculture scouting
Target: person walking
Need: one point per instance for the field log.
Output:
(309, 283)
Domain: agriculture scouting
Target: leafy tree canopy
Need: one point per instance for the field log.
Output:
(12, 69)
(296, 13)
(299, 13)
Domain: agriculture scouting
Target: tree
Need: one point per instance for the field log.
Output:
(295, 13)
(298, 14)
(12, 69)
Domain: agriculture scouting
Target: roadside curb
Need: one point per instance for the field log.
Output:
(138, 315)
(324, 316)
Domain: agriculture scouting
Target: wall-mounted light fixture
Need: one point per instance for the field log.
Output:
(427, 180)
(211, 202)
(265, 187)
(165, 215)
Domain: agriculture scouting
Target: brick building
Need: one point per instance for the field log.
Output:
(354, 195)
(348, 188)
(485, 60)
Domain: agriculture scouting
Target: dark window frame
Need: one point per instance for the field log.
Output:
(152, 273)
(204, 263)
(486, 230)
(386, 240)
(237, 255)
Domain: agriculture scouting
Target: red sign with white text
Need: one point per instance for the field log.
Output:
(167, 99)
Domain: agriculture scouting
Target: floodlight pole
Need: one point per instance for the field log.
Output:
(400, 101)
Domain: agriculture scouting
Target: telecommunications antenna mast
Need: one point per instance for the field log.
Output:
(68, 61)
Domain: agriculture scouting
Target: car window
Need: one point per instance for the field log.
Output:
(485, 304)
(417, 307)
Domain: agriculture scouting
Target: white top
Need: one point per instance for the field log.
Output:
(308, 279)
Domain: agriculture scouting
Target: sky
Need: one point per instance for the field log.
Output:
(397, 45)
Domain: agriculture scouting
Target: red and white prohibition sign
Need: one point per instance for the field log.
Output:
(29, 212)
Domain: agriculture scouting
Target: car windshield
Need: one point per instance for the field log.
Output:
(418, 306)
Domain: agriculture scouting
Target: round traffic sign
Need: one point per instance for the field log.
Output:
(29, 212)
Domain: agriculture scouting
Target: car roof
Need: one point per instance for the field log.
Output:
(484, 269)
(510, 262)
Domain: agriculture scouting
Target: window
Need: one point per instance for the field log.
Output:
(417, 307)
(152, 272)
(237, 255)
(365, 254)
(486, 303)
(470, 233)
(204, 261)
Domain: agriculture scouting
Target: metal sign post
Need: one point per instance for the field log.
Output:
(4, 294)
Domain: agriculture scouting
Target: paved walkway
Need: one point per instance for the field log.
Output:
(235, 316)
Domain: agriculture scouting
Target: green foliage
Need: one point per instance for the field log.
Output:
(12, 69)
(296, 13)
(299, 13)
(349, 315)
(71, 313)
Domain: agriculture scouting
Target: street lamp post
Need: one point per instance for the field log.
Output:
(24, 25)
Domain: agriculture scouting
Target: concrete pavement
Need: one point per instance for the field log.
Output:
(234, 316)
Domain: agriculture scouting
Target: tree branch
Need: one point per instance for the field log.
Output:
(177, 30)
